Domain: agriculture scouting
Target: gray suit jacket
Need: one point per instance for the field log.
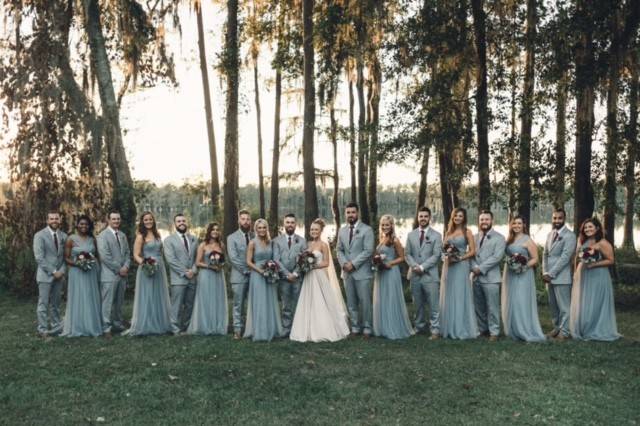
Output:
(427, 256)
(488, 257)
(48, 259)
(112, 256)
(180, 261)
(556, 259)
(359, 252)
(237, 254)
(287, 257)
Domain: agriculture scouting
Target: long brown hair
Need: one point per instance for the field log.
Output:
(512, 235)
(142, 230)
(599, 231)
(208, 238)
(452, 226)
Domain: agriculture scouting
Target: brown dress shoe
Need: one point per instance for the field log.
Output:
(353, 335)
(434, 336)
(107, 335)
(366, 336)
(562, 337)
(237, 336)
(493, 338)
(553, 333)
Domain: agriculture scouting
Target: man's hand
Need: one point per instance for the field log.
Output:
(291, 278)
(189, 274)
(476, 270)
(417, 270)
(348, 267)
(123, 272)
(546, 278)
(57, 275)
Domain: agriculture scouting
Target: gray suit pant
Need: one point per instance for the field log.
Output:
(240, 291)
(112, 293)
(560, 304)
(426, 293)
(487, 303)
(182, 298)
(359, 299)
(49, 298)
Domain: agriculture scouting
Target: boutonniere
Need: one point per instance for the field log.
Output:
(296, 240)
(488, 237)
(357, 232)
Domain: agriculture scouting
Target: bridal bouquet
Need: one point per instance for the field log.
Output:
(216, 260)
(271, 271)
(149, 266)
(588, 255)
(306, 261)
(85, 261)
(450, 251)
(378, 262)
(517, 263)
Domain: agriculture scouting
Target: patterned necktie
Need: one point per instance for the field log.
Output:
(555, 236)
(350, 233)
(289, 241)
(421, 237)
(186, 244)
(55, 241)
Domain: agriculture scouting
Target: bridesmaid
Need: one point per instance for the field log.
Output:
(390, 318)
(519, 303)
(151, 305)
(593, 315)
(263, 312)
(84, 307)
(210, 313)
(457, 312)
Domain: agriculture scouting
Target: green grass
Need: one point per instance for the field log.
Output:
(215, 380)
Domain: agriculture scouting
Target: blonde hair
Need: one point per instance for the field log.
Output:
(321, 223)
(262, 222)
(392, 232)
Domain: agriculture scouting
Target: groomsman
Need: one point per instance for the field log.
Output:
(115, 260)
(180, 252)
(422, 253)
(237, 251)
(490, 246)
(48, 248)
(355, 250)
(286, 250)
(557, 272)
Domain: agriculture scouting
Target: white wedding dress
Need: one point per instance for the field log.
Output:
(321, 315)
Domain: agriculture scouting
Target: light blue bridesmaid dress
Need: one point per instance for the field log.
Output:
(263, 310)
(593, 314)
(519, 303)
(457, 311)
(210, 311)
(84, 307)
(151, 306)
(390, 318)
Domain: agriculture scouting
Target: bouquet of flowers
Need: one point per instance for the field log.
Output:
(449, 250)
(271, 271)
(85, 261)
(378, 262)
(216, 260)
(149, 266)
(588, 255)
(306, 261)
(517, 263)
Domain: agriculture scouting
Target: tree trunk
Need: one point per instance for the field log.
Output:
(333, 135)
(310, 195)
(585, 88)
(615, 59)
(448, 202)
(376, 87)
(561, 139)
(511, 159)
(275, 174)
(231, 65)
(362, 130)
(526, 116)
(116, 155)
(352, 143)
(632, 153)
(204, 72)
(256, 87)
(422, 188)
(482, 115)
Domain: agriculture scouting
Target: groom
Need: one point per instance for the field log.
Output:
(355, 249)
(286, 249)
(485, 267)
(237, 243)
(180, 251)
(556, 272)
(48, 248)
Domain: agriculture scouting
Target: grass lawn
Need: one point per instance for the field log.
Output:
(215, 380)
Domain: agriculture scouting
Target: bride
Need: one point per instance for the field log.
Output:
(321, 314)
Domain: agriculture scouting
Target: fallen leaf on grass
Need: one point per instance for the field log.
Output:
(516, 414)
(467, 386)
(100, 420)
(173, 378)
(153, 364)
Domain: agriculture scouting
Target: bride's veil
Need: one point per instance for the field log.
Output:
(333, 280)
